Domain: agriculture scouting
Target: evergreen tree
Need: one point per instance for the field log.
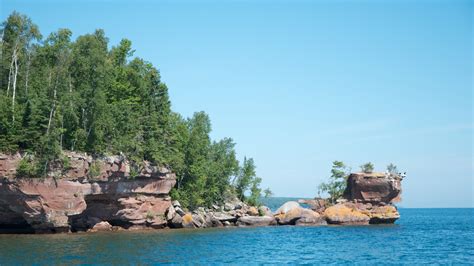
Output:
(61, 94)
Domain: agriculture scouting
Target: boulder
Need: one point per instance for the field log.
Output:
(310, 218)
(224, 217)
(179, 211)
(198, 220)
(211, 221)
(170, 213)
(265, 211)
(252, 211)
(176, 203)
(287, 206)
(187, 221)
(176, 222)
(101, 226)
(256, 221)
(290, 217)
(343, 214)
(229, 206)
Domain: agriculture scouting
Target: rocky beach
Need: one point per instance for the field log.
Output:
(104, 194)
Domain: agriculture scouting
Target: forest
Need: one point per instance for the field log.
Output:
(80, 95)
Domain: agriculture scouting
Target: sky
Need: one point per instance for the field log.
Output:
(299, 84)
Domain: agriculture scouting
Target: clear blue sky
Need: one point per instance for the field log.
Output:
(298, 84)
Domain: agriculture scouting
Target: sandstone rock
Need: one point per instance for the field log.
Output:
(290, 217)
(310, 218)
(383, 214)
(187, 221)
(373, 187)
(252, 211)
(101, 226)
(229, 206)
(8, 164)
(198, 220)
(170, 213)
(211, 221)
(179, 211)
(176, 203)
(286, 207)
(256, 221)
(317, 205)
(157, 222)
(74, 201)
(225, 217)
(342, 214)
(176, 222)
(265, 211)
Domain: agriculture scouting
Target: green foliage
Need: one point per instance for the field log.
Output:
(392, 169)
(367, 168)
(27, 168)
(94, 169)
(244, 179)
(255, 192)
(337, 182)
(267, 193)
(247, 182)
(61, 94)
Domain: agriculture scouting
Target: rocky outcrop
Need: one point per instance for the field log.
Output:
(342, 214)
(82, 194)
(368, 199)
(358, 213)
(373, 188)
(291, 213)
(85, 193)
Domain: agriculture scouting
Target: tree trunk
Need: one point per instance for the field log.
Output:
(27, 73)
(14, 86)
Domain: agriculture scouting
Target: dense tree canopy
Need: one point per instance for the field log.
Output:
(63, 94)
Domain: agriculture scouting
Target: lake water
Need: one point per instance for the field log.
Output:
(420, 236)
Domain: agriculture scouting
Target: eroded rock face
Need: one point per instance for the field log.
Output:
(85, 193)
(373, 188)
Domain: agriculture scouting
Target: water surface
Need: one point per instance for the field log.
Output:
(420, 236)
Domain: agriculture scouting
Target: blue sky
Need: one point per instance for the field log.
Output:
(299, 84)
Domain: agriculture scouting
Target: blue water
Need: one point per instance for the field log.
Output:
(443, 236)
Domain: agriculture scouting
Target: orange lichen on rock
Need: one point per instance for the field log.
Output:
(342, 214)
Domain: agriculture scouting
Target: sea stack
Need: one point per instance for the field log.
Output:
(368, 199)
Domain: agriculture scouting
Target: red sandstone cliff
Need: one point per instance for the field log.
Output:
(76, 199)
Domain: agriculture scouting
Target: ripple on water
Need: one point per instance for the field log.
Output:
(420, 236)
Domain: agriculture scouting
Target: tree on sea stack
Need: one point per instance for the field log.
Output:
(392, 169)
(337, 182)
(367, 168)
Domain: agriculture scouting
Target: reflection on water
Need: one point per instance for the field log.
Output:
(421, 236)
